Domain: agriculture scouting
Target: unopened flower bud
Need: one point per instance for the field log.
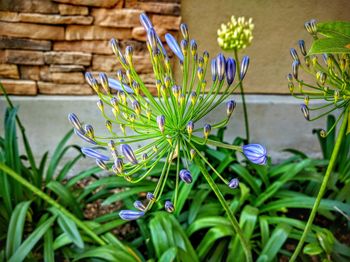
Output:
(137, 107)
(128, 153)
(152, 39)
(101, 164)
(169, 207)
(306, 100)
(139, 205)
(89, 131)
(193, 47)
(184, 46)
(100, 105)
(244, 66)
(305, 110)
(200, 73)
(190, 127)
(118, 165)
(207, 130)
(144, 156)
(302, 47)
(230, 70)
(192, 153)
(184, 31)
(323, 133)
(89, 152)
(295, 67)
(255, 153)
(74, 120)
(150, 196)
(104, 82)
(174, 46)
(193, 97)
(161, 122)
(130, 214)
(311, 27)
(290, 78)
(214, 70)
(234, 183)
(321, 77)
(294, 55)
(220, 66)
(128, 54)
(185, 176)
(230, 106)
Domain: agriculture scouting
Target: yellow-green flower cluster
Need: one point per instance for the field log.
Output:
(236, 34)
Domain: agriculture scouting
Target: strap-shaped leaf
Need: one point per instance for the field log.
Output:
(334, 29)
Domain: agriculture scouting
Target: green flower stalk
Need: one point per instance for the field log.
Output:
(331, 74)
(167, 125)
(234, 36)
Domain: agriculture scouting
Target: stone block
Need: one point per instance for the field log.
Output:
(75, 58)
(19, 87)
(9, 71)
(29, 72)
(96, 3)
(17, 43)
(29, 6)
(66, 77)
(155, 7)
(72, 10)
(33, 31)
(166, 21)
(48, 88)
(76, 32)
(24, 57)
(66, 68)
(103, 63)
(116, 17)
(93, 46)
(45, 18)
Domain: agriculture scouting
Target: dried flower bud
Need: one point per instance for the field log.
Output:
(234, 183)
(130, 214)
(185, 176)
(128, 153)
(169, 207)
(161, 122)
(305, 110)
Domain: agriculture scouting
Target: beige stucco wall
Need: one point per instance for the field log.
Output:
(278, 26)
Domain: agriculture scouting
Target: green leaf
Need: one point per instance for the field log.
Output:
(70, 228)
(326, 240)
(49, 254)
(107, 252)
(121, 195)
(169, 255)
(348, 129)
(206, 222)
(312, 249)
(247, 177)
(334, 29)
(330, 46)
(247, 223)
(15, 228)
(31, 241)
(274, 244)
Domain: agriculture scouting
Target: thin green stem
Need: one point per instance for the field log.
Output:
(245, 112)
(233, 220)
(323, 186)
(52, 202)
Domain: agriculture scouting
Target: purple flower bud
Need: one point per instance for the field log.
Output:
(101, 164)
(207, 130)
(152, 39)
(295, 67)
(214, 71)
(234, 183)
(74, 120)
(230, 70)
(174, 46)
(305, 110)
(150, 196)
(184, 31)
(290, 78)
(311, 27)
(230, 106)
(190, 127)
(184, 46)
(244, 66)
(161, 122)
(302, 48)
(89, 152)
(89, 131)
(255, 153)
(139, 205)
(118, 165)
(104, 82)
(169, 207)
(185, 176)
(137, 107)
(130, 214)
(220, 66)
(146, 23)
(294, 54)
(82, 136)
(128, 153)
(116, 85)
(144, 156)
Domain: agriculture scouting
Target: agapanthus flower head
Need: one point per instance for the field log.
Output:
(331, 80)
(236, 34)
(163, 125)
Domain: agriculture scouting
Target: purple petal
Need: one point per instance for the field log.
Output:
(115, 84)
(174, 46)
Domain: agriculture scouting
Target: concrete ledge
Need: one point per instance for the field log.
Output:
(275, 121)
